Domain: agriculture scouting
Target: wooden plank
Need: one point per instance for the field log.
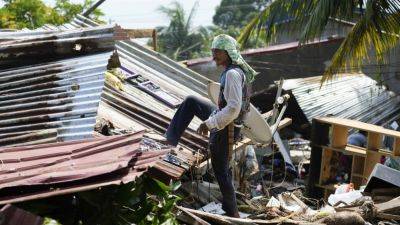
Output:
(391, 205)
(339, 136)
(218, 219)
(358, 125)
(370, 161)
(194, 220)
(348, 150)
(140, 33)
(374, 141)
(396, 147)
(325, 165)
(357, 165)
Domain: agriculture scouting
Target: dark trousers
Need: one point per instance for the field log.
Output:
(194, 106)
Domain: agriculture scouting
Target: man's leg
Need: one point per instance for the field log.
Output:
(220, 164)
(190, 107)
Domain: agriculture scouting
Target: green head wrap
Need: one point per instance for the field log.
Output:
(229, 44)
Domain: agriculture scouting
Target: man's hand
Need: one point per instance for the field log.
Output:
(203, 129)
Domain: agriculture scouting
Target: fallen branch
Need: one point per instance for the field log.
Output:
(194, 220)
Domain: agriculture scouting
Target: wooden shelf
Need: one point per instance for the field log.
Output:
(358, 125)
(330, 137)
(381, 152)
(357, 175)
(327, 186)
(348, 149)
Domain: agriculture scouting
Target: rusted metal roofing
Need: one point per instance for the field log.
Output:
(154, 65)
(355, 97)
(11, 215)
(131, 104)
(40, 171)
(169, 75)
(55, 101)
(29, 47)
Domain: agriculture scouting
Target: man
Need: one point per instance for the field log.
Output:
(232, 107)
(358, 139)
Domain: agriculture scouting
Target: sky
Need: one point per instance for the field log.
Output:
(144, 13)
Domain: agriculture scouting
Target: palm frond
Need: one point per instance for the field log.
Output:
(377, 31)
(191, 15)
(319, 12)
(271, 19)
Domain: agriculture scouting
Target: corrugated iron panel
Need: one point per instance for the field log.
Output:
(60, 97)
(29, 47)
(11, 215)
(161, 69)
(169, 75)
(133, 107)
(153, 65)
(32, 172)
(355, 97)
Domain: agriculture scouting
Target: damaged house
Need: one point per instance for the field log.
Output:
(82, 106)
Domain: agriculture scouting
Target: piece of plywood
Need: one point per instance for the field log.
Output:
(358, 165)
(374, 141)
(339, 136)
(325, 165)
(370, 161)
(348, 150)
(358, 125)
(396, 147)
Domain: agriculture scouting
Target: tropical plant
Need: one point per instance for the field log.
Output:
(18, 14)
(146, 201)
(376, 27)
(236, 13)
(179, 41)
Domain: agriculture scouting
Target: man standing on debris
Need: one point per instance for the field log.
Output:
(233, 104)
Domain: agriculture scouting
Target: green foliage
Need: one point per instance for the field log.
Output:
(377, 28)
(68, 10)
(144, 202)
(237, 13)
(179, 41)
(18, 14)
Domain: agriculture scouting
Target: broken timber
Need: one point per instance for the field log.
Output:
(218, 219)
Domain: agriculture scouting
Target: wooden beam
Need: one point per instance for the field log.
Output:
(143, 33)
(391, 205)
(140, 33)
(219, 219)
(194, 220)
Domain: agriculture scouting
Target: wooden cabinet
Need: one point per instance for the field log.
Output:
(329, 141)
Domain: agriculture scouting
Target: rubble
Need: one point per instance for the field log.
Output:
(145, 89)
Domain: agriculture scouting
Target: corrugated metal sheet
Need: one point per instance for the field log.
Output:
(153, 65)
(29, 47)
(171, 76)
(132, 103)
(56, 101)
(355, 97)
(39, 171)
(134, 106)
(11, 215)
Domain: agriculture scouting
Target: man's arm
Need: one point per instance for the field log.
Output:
(233, 97)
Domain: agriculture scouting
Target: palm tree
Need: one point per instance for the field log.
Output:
(178, 40)
(376, 27)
